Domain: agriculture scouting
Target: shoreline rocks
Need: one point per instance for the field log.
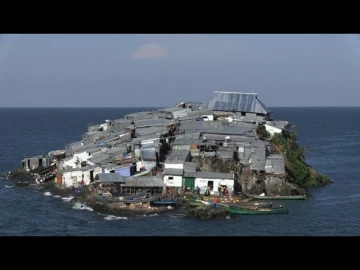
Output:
(204, 212)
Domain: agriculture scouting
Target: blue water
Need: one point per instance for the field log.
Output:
(331, 136)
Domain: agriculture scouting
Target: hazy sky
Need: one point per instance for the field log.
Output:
(67, 70)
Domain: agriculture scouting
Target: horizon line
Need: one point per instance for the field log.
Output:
(136, 107)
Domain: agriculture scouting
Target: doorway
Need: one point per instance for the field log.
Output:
(211, 185)
(92, 176)
(40, 162)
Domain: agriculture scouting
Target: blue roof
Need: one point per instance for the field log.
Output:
(110, 177)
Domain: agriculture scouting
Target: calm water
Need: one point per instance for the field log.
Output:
(331, 135)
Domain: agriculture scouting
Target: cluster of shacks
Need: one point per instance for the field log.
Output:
(155, 148)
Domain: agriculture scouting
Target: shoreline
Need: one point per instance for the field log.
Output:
(117, 209)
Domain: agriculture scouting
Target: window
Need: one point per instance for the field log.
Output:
(242, 113)
(171, 178)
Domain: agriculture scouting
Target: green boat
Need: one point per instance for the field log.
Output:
(195, 203)
(248, 204)
(295, 197)
(260, 211)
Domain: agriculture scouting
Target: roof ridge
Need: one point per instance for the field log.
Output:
(236, 92)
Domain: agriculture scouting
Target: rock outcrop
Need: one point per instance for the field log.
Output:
(251, 181)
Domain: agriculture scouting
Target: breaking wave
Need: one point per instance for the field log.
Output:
(111, 217)
(148, 215)
(47, 193)
(177, 215)
(81, 206)
(68, 199)
(6, 186)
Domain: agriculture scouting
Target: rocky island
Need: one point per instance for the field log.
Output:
(229, 143)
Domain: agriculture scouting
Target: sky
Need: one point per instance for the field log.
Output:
(160, 70)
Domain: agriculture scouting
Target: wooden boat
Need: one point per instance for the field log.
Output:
(248, 205)
(164, 202)
(145, 200)
(259, 211)
(106, 199)
(295, 197)
(135, 196)
(125, 200)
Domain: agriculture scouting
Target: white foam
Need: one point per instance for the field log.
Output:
(81, 206)
(111, 217)
(9, 186)
(47, 193)
(151, 215)
(177, 216)
(57, 196)
(67, 198)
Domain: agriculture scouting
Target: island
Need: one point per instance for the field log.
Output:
(228, 148)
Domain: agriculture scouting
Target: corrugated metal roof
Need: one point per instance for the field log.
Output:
(190, 167)
(242, 124)
(174, 109)
(186, 141)
(121, 121)
(259, 143)
(144, 181)
(69, 169)
(216, 127)
(139, 115)
(110, 178)
(150, 146)
(227, 130)
(278, 124)
(151, 136)
(274, 156)
(95, 149)
(235, 101)
(192, 135)
(178, 155)
(111, 166)
(153, 122)
(225, 154)
(118, 149)
(100, 158)
(210, 175)
(190, 164)
(178, 114)
(151, 130)
(197, 113)
(171, 171)
(174, 162)
(256, 166)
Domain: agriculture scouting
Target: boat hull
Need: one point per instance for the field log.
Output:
(126, 200)
(298, 197)
(262, 211)
(164, 203)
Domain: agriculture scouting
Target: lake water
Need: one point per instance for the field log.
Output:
(331, 136)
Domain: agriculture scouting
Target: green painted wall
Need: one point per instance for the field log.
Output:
(189, 182)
